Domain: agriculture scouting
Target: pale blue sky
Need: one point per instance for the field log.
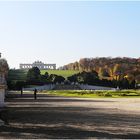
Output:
(63, 32)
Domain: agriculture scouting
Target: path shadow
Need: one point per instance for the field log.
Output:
(70, 123)
(66, 122)
(47, 98)
(63, 133)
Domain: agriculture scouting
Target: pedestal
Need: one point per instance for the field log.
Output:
(2, 95)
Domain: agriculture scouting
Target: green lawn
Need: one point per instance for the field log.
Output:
(20, 75)
(64, 73)
(95, 94)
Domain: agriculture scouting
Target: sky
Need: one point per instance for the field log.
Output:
(62, 32)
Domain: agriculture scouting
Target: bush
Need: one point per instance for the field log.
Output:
(16, 85)
(108, 95)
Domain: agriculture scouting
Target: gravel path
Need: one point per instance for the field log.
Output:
(66, 117)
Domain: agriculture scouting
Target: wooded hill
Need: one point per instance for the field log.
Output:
(107, 67)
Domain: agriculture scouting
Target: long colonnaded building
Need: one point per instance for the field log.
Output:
(39, 64)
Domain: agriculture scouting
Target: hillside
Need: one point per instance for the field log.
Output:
(20, 75)
(64, 73)
(109, 67)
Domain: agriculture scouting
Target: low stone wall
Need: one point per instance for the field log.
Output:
(45, 87)
(66, 87)
(82, 87)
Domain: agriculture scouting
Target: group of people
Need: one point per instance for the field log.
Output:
(35, 93)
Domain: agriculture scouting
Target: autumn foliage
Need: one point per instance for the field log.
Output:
(109, 68)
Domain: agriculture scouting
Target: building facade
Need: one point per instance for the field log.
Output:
(39, 64)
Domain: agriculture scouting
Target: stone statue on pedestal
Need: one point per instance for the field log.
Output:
(3, 85)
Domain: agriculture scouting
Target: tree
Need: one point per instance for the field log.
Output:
(52, 77)
(103, 72)
(46, 75)
(84, 77)
(59, 79)
(133, 84)
(33, 75)
(56, 78)
(117, 71)
(19, 85)
(138, 78)
(115, 68)
(72, 78)
(125, 83)
(84, 64)
(11, 85)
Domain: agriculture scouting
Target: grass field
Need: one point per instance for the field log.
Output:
(20, 75)
(64, 73)
(95, 94)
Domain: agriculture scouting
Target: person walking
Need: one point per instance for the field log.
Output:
(35, 92)
(21, 91)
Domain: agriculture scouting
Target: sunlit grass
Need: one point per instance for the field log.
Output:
(95, 94)
(20, 75)
(64, 73)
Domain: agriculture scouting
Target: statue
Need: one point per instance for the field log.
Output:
(3, 85)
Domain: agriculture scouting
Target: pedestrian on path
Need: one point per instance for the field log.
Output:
(21, 91)
(35, 92)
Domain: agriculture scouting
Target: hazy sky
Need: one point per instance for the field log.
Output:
(63, 32)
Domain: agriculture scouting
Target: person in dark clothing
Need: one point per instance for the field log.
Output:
(21, 91)
(35, 92)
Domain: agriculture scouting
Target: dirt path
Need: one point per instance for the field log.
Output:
(65, 117)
